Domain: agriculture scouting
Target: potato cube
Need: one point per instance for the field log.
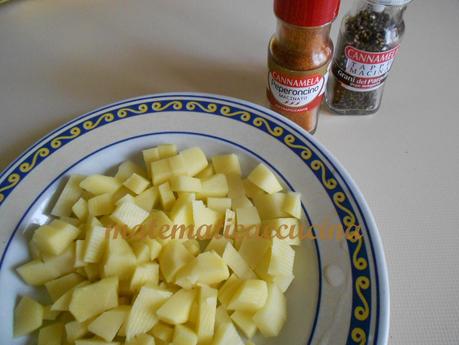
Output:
(141, 339)
(160, 171)
(107, 324)
(292, 204)
(37, 272)
(243, 320)
(269, 206)
(129, 214)
(162, 332)
(155, 248)
(143, 317)
(250, 296)
(119, 259)
(262, 177)
(185, 184)
(51, 334)
(283, 281)
(76, 330)
(237, 264)
(80, 209)
(221, 316)
(235, 186)
(181, 212)
(57, 287)
(228, 289)
(68, 197)
(166, 196)
(241, 202)
(144, 273)
(63, 302)
(251, 190)
(100, 184)
(136, 183)
(207, 307)
(207, 172)
(219, 204)
(167, 150)
(285, 229)
(229, 225)
(93, 299)
(282, 258)
(101, 205)
(173, 257)
(217, 245)
(206, 221)
(176, 310)
(148, 199)
(247, 217)
(271, 318)
(49, 314)
(214, 186)
(128, 168)
(193, 246)
(54, 238)
(141, 251)
(226, 334)
(207, 268)
(253, 250)
(94, 244)
(195, 160)
(28, 316)
(184, 336)
(226, 164)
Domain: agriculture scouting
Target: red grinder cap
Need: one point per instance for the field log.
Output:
(306, 12)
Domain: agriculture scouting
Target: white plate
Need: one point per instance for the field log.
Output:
(340, 294)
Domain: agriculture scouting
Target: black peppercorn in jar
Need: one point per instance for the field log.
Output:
(368, 42)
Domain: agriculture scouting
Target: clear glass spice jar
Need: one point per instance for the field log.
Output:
(368, 42)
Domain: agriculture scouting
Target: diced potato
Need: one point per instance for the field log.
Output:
(185, 184)
(160, 171)
(76, 330)
(207, 268)
(167, 150)
(207, 172)
(80, 209)
(282, 258)
(181, 212)
(127, 198)
(68, 197)
(193, 246)
(286, 229)
(214, 186)
(173, 257)
(119, 259)
(247, 217)
(221, 316)
(241, 202)
(141, 251)
(207, 307)
(63, 302)
(129, 214)
(94, 244)
(250, 296)
(251, 190)
(136, 183)
(37, 272)
(184, 336)
(100, 184)
(95, 341)
(49, 314)
(54, 238)
(253, 250)
(166, 196)
(158, 225)
(108, 323)
(176, 310)
(205, 220)
(271, 318)
(283, 281)
(128, 168)
(163, 332)
(229, 225)
(51, 334)
(57, 287)
(143, 317)
(226, 334)
(28, 316)
(226, 164)
(144, 273)
(228, 289)
(148, 199)
(195, 160)
(219, 204)
(243, 320)
(237, 264)
(269, 206)
(262, 177)
(142, 339)
(150, 155)
(177, 165)
(292, 204)
(235, 186)
(155, 248)
(218, 245)
(93, 299)
(92, 271)
(101, 205)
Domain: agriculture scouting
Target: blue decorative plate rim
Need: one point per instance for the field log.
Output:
(300, 142)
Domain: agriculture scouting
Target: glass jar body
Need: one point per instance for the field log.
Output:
(298, 60)
(368, 42)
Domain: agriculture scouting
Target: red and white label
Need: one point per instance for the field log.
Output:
(296, 93)
(365, 71)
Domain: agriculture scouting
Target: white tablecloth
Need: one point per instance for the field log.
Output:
(59, 59)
